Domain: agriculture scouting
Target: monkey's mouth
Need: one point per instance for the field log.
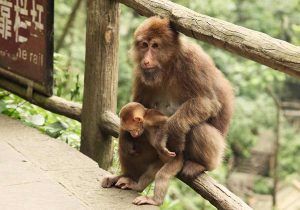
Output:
(136, 133)
(149, 70)
(149, 73)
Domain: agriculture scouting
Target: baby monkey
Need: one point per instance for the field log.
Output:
(137, 120)
(145, 124)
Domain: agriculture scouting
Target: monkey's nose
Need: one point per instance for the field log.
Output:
(146, 62)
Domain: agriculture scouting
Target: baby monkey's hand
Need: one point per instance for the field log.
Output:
(168, 153)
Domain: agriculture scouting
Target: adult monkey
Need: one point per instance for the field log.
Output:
(181, 81)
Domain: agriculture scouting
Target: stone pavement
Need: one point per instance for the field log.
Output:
(41, 173)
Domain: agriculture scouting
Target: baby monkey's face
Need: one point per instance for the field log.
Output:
(134, 127)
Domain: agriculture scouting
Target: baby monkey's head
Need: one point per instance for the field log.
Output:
(132, 118)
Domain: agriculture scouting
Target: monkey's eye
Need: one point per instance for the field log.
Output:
(144, 44)
(155, 45)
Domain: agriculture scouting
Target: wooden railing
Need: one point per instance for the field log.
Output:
(97, 114)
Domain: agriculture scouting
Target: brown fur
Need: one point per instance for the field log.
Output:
(180, 80)
(142, 126)
(136, 119)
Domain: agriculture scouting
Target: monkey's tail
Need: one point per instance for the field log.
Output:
(191, 169)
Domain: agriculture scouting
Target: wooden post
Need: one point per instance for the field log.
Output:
(100, 78)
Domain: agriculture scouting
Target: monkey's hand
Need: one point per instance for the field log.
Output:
(141, 200)
(168, 153)
(164, 153)
(125, 183)
(109, 181)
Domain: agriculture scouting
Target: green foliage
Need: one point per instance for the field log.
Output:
(263, 186)
(180, 196)
(128, 24)
(250, 117)
(74, 43)
(54, 125)
(289, 150)
(68, 82)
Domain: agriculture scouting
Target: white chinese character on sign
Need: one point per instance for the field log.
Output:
(5, 19)
(21, 9)
(36, 14)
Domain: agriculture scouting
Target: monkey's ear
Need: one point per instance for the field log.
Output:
(137, 119)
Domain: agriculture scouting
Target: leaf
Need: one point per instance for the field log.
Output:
(2, 106)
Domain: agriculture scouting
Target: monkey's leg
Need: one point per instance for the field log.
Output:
(162, 178)
(148, 176)
(144, 180)
(204, 150)
(192, 169)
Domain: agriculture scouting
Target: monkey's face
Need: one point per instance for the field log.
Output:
(149, 60)
(135, 128)
(136, 132)
(155, 44)
(132, 118)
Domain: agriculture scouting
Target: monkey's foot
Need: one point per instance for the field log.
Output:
(142, 200)
(109, 181)
(125, 183)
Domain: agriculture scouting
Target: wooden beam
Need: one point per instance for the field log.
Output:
(290, 105)
(110, 123)
(54, 104)
(218, 195)
(291, 113)
(23, 81)
(100, 78)
(257, 46)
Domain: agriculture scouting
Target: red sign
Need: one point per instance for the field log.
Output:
(26, 42)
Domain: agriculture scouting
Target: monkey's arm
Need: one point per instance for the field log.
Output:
(154, 118)
(193, 112)
(189, 114)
